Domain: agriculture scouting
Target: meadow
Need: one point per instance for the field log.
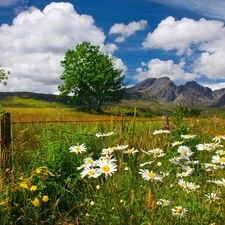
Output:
(75, 168)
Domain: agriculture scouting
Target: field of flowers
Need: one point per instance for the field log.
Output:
(115, 173)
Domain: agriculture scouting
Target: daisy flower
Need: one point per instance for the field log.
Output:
(185, 152)
(176, 160)
(163, 202)
(78, 148)
(182, 183)
(107, 167)
(220, 183)
(88, 161)
(121, 147)
(195, 162)
(188, 136)
(188, 169)
(204, 147)
(218, 159)
(179, 211)
(220, 152)
(192, 187)
(177, 143)
(212, 166)
(90, 172)
(184, 174)
(218, 138)
(157, 152)
(99, 134)
(146, 175)
(107, 151)
(212, 197)
(161, 132)
(131, 151)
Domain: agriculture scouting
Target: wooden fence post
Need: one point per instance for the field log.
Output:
(5, 135)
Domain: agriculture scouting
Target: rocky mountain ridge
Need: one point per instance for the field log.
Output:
(165, 91)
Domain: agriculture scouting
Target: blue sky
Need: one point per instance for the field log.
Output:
(180, 39)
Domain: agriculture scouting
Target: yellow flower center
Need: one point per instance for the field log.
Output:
(130, 150)
(219, 136)
(78, 148)
(222, 159)
(184, 184)
(178, 210)
(184, 153)
(151, 175)
(106, 169)
(89, 161)
(91, 172)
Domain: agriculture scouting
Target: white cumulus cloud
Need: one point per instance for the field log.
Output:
(182, 34)
(157, 68)
(127, 30)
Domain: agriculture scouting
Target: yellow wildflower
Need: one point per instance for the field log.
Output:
(33, 188)
(35, 202)
(23, 185)
(45, 198)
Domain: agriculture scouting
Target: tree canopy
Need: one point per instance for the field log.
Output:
(3, 76)
(90, 76)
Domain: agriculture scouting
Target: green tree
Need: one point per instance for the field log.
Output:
(89, 75)
(3, 76)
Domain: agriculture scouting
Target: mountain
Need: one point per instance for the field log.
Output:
(165, 91)
(161, 90)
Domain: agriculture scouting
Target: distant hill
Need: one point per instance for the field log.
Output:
(161, 90)
(36, 96)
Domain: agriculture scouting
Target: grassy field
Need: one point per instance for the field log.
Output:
(111, 170)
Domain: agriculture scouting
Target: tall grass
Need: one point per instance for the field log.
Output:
(44, 185)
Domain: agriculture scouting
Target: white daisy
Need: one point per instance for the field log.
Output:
(121, 147)
(188, 136)
(185, 152)
(103, 134)
(161, 132)
(78, 148)
(146, 175)
(107, 167)
(130, 151)
(177, 143)
(204, 147)
(218, 138)
(212, 197)
(163, 202)
(107, 151)
(220, 182)
(176, 160)
(90, 172)
(184, 174)
(220, 152)
(218, 159)
(157, 152)
(182, 183)
(179, 211)
(191, 187)
(212, 166)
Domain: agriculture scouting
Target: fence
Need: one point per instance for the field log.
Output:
(5, 140)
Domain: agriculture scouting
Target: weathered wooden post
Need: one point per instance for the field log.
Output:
(5, 135)
(165, 122)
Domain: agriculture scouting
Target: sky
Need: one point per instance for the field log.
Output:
(180, 39)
